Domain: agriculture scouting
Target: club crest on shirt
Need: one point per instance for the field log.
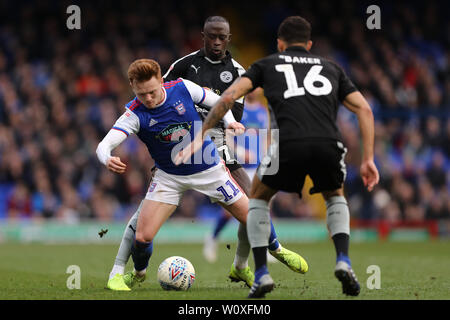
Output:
(174, 132)
(180, 108)
(226, 76)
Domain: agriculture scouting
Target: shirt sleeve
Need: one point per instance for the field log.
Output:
(256, 74)
(200, 95)
(240, 70)
(109, 142)
(346, 86)
(179, 67)
(128, 123)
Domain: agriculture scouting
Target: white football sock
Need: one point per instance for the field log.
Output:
(117, 269)
(258, 223)
(338, 215)
(243, 248)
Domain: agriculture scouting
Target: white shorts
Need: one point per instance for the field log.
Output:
(216, 183)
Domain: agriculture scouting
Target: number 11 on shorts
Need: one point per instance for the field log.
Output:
(225, 193)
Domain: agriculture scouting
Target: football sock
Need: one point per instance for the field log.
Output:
(273, 241)
(258, 223)
(343, 257)
(260, 257)
(220, 224)
(243, 248)
(341, 241)
(123, 255)
(116, 269)
(338, 223)
(338, 215)
(258, 229)
(141, 253)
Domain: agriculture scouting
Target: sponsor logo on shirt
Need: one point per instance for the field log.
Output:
(174, 132)
(195, 68)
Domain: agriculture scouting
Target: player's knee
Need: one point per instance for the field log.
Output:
(143, 236)
(261, 191)
(334, 193)
(242, 179)
(239, 209)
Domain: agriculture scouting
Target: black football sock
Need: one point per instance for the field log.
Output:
(260, 257)
(141, 253)
(341, 243)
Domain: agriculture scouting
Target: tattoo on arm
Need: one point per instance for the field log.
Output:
(240, 87)
(224, 104)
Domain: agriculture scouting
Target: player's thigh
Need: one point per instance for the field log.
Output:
(242, 179)
(327, 170)
(152, 217)
(261, 191)
(216, 183)
(163, 196)
(165, 188)
(239, 208)
(289, 177)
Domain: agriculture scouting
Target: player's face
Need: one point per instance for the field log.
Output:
(216, 36)
(149, 92)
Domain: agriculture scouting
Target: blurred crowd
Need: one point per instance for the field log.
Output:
(62, 90)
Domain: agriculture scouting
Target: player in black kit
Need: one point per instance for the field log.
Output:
(305, 92)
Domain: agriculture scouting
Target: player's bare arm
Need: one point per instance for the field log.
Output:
(356, 103)
(240, 87)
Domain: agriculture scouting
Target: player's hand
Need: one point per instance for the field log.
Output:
(184, 155)
(369, 174)
(115, 165)
(236, 128)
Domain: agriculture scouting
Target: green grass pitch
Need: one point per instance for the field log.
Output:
(408, 271)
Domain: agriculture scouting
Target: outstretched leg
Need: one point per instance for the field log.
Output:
(152, 217)
(116, 279)
(240, 271)
(242, 179)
